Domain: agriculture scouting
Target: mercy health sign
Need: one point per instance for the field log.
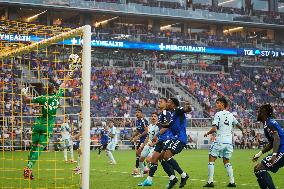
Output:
(150, 46)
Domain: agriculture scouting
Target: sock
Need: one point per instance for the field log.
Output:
(137, 161)
(72, 153)
(172, 177)
(183, 175)
(110, 156)
(175, 165)
(264, 179)
(65, 154)
(100, 149)
(150, 178)
(78, 163)
(167, 168)
(153, 169)
(210, 171)
(141, 166)
(230, 172)
(34, 154)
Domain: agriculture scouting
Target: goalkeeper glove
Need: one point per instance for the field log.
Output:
(25, 90)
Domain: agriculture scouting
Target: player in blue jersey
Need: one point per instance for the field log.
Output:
(223, 124)
(139, 136)
(177, 126)
(275, 135)
(104, 139)
(163, 136)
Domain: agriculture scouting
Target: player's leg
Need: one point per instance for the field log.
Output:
(143, 155)
(261, 170)
(227, 154)
(110, 148)
(65, 147)
(175, 147)
(213, 154)
(100, 149)
(71, 152)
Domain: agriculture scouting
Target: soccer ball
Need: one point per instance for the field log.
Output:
(74, 61)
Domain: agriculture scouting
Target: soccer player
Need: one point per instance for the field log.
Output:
(139, 136)
(222, 125)
(275, 135)
(177, 143)
(104, 139)
(149, 143)
(163, 136)
(77, 169)
(113, 142)
(67, 142)
(43, 125)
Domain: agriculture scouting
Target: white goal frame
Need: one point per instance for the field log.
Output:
(86, 81)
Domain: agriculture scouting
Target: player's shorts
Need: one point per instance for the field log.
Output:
(279, 162)
(111, 146)
(221, 150)
(103, 146)
(66, 143)
(147, 151)
(175, 146)
(159, 146)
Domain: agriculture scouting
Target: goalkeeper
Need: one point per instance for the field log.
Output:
(43, 125)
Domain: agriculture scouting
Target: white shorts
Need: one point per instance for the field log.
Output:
(147, 151)
(111, 146)
(66, 143)
(221, 150)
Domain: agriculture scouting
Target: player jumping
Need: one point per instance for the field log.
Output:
(223, 146)
(275, 135)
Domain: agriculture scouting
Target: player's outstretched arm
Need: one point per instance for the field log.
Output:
(267, 148)
(212, 130)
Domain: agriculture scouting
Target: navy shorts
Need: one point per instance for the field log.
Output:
(175, 146)
(159, 146)
(279, 162)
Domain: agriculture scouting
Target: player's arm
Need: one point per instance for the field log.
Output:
(144, 133)
(163, 130)
(267, 148)
(212, 130)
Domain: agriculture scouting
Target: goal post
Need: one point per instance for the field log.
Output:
(9, 56)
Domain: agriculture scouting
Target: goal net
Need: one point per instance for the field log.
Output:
(44, 85)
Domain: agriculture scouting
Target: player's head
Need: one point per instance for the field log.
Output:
(50, 89)
(173, 103)
(162, 103)
(154, 117)
(263, 112)
(138, 113)
(221, 103)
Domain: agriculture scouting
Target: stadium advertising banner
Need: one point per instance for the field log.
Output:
(151, 46)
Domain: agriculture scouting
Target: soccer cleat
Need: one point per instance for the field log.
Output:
(77, 171)
(209, 185)
(183, 181)
(73, 161)
(135, 171)
(28, 173)
(172, 183)
(233, 185)
(146, 182)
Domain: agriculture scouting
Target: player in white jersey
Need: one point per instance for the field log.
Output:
(67, 142)
(112, 143)
(222, 125)
(149, 143)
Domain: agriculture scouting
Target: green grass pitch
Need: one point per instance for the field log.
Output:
(52, 172)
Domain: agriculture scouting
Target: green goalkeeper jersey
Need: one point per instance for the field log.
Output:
(49, 103)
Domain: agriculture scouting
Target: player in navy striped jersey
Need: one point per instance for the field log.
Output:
(177, 125)
(163, 136)
(275, 135)
(139, 136)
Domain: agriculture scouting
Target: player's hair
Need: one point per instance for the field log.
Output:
(156, 113)
(223, 100)
(139, 110)
(268, 109)
(175, 101)
(162, 98)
